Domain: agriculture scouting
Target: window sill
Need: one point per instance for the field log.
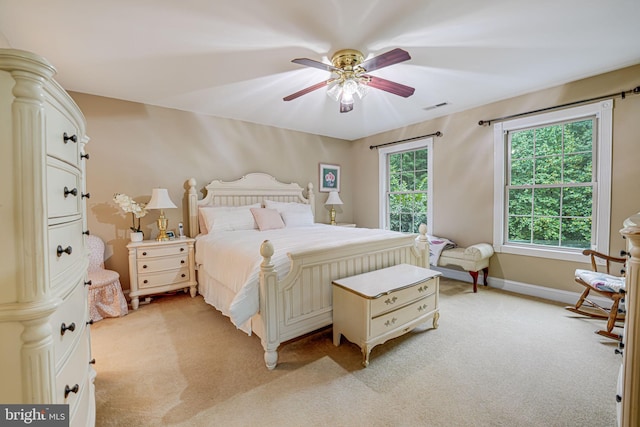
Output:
(551, 253)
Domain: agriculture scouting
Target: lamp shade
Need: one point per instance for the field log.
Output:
(160, 199)
(333, 199)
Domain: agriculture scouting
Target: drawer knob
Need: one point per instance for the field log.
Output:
(144, 266)
(87, 283)
(68, 138)
(92, 362)
(618, 398)
(390, 301)
(84, 156)
(183, 275)
(64, 328)
(390, 322)
(422, 307)
(87, 195)
(145, 281)
(68, 390)
(86, 233)
(60, 250)
(181, 249)
(144, 253)
(181, 261)
(424, 288)
(90, 322)
(73, 192)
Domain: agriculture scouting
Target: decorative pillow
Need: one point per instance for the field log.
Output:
(267, 219)
(297, 219)
(228, 218)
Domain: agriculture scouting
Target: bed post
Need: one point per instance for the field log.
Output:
(422, 243)
(312, 198)
(268, 305)
(192, 203)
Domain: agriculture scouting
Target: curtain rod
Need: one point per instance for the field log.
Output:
(371, 147)
(635, 90)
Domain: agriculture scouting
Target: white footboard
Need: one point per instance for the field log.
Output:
(302, 301)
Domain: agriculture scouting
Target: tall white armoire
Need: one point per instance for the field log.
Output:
(45, 355)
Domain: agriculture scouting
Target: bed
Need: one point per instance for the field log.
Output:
(280, 286)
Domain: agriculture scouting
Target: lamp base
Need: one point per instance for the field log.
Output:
(162, 228)
(332, 216)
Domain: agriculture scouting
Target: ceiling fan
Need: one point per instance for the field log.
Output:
(349, 76)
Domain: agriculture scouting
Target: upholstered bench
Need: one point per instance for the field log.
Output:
(472, 259)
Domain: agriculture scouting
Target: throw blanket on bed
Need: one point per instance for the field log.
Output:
(233, 257)
(436, 246)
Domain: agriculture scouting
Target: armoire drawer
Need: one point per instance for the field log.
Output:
(73, 314)
(74, 372)
(66, 252)
(64, 191)
(57, 125)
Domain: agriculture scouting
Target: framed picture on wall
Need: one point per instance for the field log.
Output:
(329, 177)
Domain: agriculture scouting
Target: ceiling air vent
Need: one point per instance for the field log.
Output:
(432, 107)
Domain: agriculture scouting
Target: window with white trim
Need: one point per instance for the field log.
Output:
(553, 182)
(406, 186)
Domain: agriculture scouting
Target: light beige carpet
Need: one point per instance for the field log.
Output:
(497, 359)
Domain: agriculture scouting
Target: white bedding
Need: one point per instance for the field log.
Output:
(233, 258)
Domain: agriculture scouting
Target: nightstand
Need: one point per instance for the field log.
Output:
(156, 267)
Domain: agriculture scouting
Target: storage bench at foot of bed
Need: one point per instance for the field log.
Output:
(374, 307)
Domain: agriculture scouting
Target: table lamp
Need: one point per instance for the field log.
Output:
(160, 200)
(332, 200)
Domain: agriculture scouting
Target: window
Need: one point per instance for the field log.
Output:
(552, 184)
(405, 186)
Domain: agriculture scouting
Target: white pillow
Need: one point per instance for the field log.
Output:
(297, 219)
(287, 206)
(228, 218)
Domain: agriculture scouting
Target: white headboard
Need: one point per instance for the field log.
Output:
(251, 188)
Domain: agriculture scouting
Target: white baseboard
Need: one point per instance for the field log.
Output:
(552, 294)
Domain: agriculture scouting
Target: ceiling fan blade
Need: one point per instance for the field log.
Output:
(391, 87)
(315, 64)
(384, 60)
(306, 90)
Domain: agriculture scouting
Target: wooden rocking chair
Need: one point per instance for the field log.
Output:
(606, 285)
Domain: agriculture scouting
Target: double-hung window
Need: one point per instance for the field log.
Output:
(552, 185)
(405, 186)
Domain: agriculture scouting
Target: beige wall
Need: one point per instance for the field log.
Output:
(463, 172)
(136, 147)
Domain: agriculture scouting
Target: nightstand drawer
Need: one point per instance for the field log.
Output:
(400, 297)
(152, 252)
(390, 321)
(157, 264)
(152, 280)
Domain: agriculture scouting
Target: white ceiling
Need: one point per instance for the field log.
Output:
(232, 59)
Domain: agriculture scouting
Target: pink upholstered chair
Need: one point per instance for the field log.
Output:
(105, 292)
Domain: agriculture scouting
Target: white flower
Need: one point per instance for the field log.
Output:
(128, 205)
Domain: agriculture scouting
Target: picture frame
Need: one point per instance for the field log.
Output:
(171, 234)
(329, 177)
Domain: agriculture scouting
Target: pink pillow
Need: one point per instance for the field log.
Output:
(267, 219)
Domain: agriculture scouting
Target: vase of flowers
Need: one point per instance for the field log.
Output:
(137, 211)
